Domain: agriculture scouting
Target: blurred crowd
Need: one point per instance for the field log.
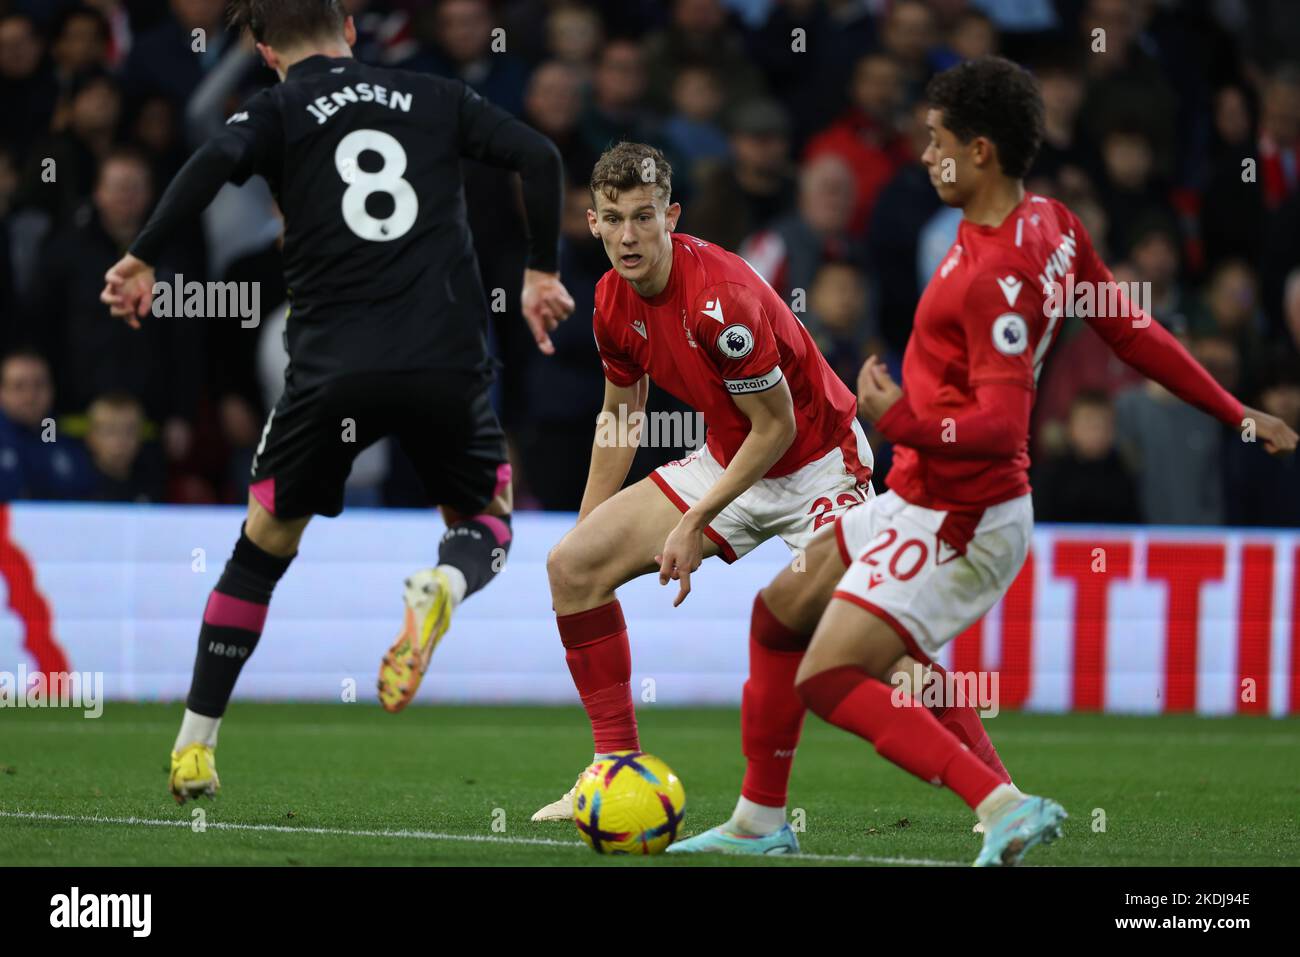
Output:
(794, 128)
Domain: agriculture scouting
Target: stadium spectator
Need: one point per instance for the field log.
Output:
(1127, 187)
(789, 254)
(61, 171)
(970, 34)
(1089, 481)
(1060, 75)
(1175, 450)
(617, 108)
(699, 32)
(743, 196)
(868, 137)
(1265, 494)
(908, 35)
(1231, 310)
(79, 43)
(1155, 256)
(838, 34)
(159, 363)
(838, 321)
(553, 105)
(37, 461)
(693, 128)
(1232, 205)
(1279, 136)
(902, 209)
(573, 36)
(28, 90)
(1125, 84)
(172, 58)
(114, 439)
(468, 49)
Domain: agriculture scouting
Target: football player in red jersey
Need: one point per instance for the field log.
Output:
(784, 453)
(932, 555)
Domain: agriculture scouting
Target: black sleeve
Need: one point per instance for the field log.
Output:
(249, 143)
(187, 195)
(491, 135)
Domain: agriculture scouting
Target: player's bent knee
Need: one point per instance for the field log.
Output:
(567, 567)
(273, 535)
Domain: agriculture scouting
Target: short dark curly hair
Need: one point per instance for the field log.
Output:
(995, 98)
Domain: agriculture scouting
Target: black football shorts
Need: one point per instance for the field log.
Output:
(444, 421)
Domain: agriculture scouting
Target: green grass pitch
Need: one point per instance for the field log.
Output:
(351, 785)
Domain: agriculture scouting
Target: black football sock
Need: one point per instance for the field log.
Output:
(232, 624)
(477, 548)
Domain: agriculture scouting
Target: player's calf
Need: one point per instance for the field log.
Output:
(232, 625)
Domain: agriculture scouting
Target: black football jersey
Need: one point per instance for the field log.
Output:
(378, 258)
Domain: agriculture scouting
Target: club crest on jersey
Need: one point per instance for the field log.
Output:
(735, 341)
(1010, 334)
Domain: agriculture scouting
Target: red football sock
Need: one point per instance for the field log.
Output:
(771, 711)
(600, 661)
(910, 737)
(964, 722)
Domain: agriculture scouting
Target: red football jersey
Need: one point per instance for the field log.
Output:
(717, 330)
(982, 318)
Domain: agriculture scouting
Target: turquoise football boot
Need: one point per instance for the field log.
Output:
(717, 840)
(1024, 824)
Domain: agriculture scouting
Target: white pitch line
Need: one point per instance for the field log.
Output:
(417, 835)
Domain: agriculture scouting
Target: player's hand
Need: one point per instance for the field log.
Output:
(683, 552)
(1276, 436)
(128, 290)
(877, 390)
(546, 303)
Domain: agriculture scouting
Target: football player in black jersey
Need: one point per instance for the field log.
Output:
(387, 329)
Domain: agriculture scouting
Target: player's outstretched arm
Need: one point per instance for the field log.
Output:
(128, 285)
(491, 135)
(1150, 349)
(613, 449)
(771, 433)
(996, 429)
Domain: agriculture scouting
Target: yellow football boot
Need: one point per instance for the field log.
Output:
(428, 616)
(194, 773)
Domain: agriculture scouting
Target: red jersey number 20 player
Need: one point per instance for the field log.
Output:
(932, 555)
(784, 453)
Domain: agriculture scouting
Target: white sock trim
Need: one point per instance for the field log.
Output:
(197, 728)
(997, 800)
(455, 578)
(755, 820)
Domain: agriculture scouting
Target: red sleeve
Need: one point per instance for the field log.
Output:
(619, 368)
(729, 324)
(998, 429)
(1149, 348)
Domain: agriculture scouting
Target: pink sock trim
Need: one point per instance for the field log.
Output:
(500, 530)
(226, 611)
